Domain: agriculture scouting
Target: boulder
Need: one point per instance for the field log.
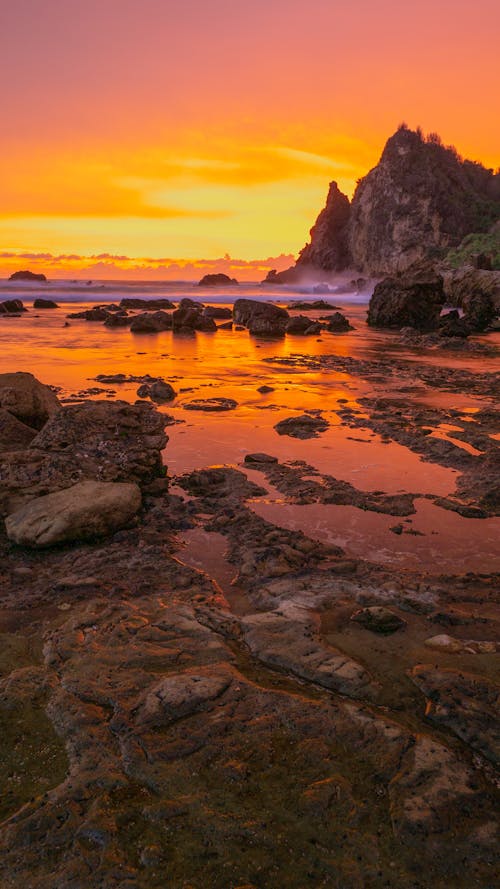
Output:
(12, 307)
(27, 399)
(84, 511)
(191, 316)
(157, 391)
(151, 322)
(407, 302)
(217, 280)
(218, 312)
(338, 323)
(250, 311)
(27, 276)
(302, 326)
(117, 319)
(40, 303)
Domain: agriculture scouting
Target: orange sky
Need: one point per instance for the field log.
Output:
(168, 129)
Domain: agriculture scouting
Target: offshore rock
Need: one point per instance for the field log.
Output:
(41, 303)
(129, 302)
(328, 248)
(82, 512)
(250, 311)
(27, 276)
(12, 307)
(217, 280)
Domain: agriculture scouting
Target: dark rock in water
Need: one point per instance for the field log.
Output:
(317, 304)
(260, 458)
(302, 325)
(190, 316)
(378, 619)
(303, 426)
(265, 389)
(218, 312)
(158, 391)
(97, 313)
(338, 323)
(211, 404)
(261, 319)
(129, 302)
(452, 324)
(12, 306)
(117, 319)
(328, 248)
(407, 302)
(228, 325)
(23, 396)
(41, 303)
(14, 434)
(151, 322)
(217, 280)
(83, 511)
(27, 276)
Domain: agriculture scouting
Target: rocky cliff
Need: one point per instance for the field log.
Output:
(418, 203)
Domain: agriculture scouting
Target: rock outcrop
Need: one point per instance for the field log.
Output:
(26, 275)
(217, 280)
(12, 307)
(407, 302)
(419, 202)
(83, 511)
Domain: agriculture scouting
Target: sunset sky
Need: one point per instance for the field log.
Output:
(139, 135)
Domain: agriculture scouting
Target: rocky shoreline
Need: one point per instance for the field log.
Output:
(340, 729)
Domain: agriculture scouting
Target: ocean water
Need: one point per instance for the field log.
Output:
(112, 291)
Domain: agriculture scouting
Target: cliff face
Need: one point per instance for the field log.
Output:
(419, 201)
(328, 247)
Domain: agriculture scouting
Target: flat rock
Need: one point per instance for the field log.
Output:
(260, 458)
(303, 426)
(84, 511)
(211, 404)
(464, 703)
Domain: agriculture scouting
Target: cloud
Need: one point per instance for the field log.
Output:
(116, 266)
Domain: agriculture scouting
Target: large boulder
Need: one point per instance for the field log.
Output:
(84, 511)
(217, 280)
(261, 319)
(12, 307)
(219, 312)
(337, 323)
(408, 301)
(41, 303)
(27, 399)
(151, 322)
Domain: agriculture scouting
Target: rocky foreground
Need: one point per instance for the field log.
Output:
(338, 728)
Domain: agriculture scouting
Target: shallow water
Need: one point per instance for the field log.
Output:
(232, 364)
